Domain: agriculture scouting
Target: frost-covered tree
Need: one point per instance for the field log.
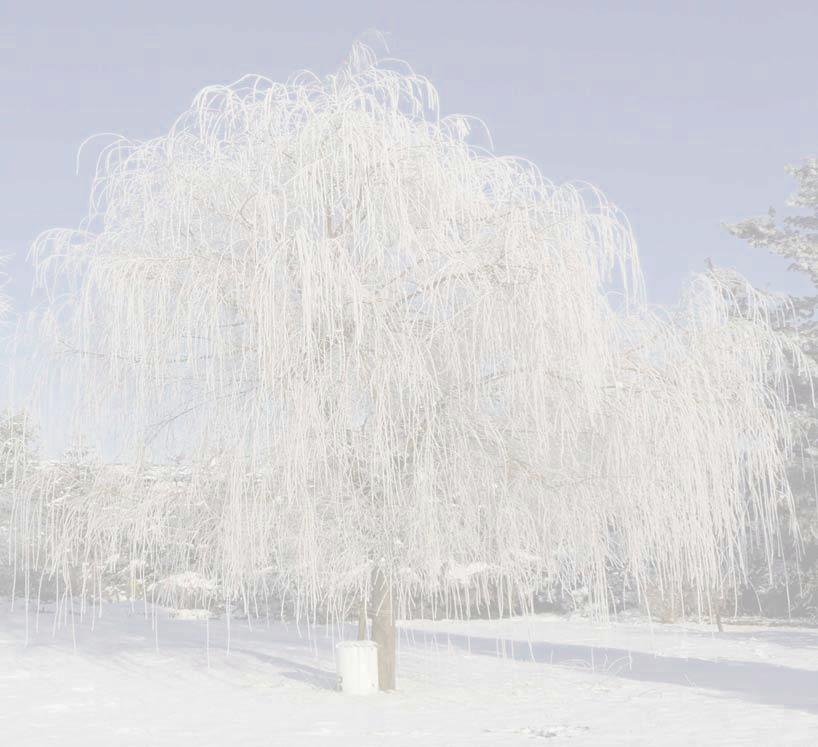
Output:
(18, 439)
(794, 585)
(403, 369)
(794, 237)
(18, 452)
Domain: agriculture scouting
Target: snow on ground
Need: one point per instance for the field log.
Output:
(524, 681)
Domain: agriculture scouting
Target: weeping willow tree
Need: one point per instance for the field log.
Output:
(401, 368)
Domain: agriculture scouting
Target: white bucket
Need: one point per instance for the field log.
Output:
(357, 663)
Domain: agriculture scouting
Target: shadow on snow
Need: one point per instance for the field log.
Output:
(768, 684)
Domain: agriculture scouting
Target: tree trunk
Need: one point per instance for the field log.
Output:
(362, 619)
(715, 611)
(383, 628)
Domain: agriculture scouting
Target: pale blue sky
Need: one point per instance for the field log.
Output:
(684, 113)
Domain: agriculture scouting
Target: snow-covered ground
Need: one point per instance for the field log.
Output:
(520, 681)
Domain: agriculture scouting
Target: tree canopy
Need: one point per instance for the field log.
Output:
(381, 346)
